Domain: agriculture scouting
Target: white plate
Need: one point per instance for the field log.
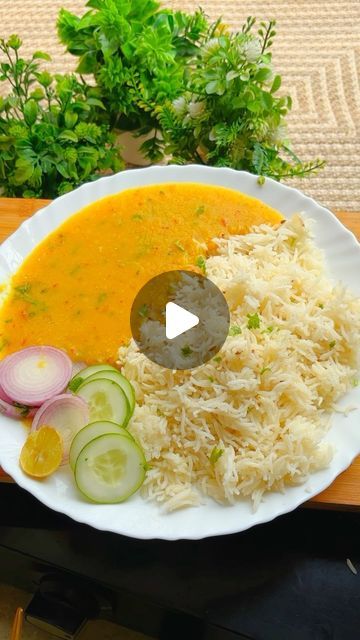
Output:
(136, 517)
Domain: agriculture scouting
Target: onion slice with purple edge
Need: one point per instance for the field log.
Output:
(35, 374)
(4, 396)
(65, 413)
(18, 410)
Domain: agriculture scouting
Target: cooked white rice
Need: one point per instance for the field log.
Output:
(255, 420)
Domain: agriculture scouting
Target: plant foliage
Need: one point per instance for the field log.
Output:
(137, 53)
(230, 113)
(50, 136)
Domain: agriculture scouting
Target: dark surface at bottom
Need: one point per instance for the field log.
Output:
(285, 580)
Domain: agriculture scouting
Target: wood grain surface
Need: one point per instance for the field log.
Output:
(345, 490)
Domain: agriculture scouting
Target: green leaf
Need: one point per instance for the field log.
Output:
(68, 135)
(215, 455)
(212, 87)
(24, 170)
(37, 94)
(201, 263)
(264, 370)
(267, 100)
(71, 119)
(41, 55)
(258, 157)
(24, 410)
(231, 75)
(235, 330)
(88, 63)
(31, 111)
(44, 78)
(263, 74)
(253, 321)
(276, 84)
(179, 246)
(95, 4)
(254, 106)
(14, 42)
(63, 169)
(95, 102)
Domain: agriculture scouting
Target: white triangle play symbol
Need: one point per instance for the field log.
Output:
(178, 320)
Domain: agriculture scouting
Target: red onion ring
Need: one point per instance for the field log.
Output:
(35, 374)
(67, 414)
(9, 410)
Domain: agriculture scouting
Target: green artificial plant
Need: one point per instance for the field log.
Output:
(230, 113)
(138, 54)
(51, 137)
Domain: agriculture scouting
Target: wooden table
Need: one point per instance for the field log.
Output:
(345, 491)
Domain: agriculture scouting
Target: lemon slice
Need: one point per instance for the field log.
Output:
(42, 453)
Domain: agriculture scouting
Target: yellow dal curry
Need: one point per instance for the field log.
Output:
(75, 290)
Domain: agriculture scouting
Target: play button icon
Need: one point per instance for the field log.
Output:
(180, 319)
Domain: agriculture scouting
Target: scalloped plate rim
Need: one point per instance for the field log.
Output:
(283, 503)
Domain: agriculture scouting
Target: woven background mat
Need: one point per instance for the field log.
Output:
(317, 51)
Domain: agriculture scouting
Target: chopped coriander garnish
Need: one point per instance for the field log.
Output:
(234, 330)
(179, 246)
(270, 329)
(253, 321)
(24, 409)
(261, 180)
(186, 351)
(264, 369)
(23, 288)
(332, 344)
(102, 297)
(211, 379)
(217, 359)
(355, 382)
(137, 216)
(215, 455)
(22, 292)
(201, 263)
(3, 343)
(74, 271)
(321, 305)
(143, 311)
(146, 466)
(200, 210)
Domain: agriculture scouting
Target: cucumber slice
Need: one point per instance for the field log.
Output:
(106, 401)
(124, 383)
(110, 468)
(82, 375)
(91, 431)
